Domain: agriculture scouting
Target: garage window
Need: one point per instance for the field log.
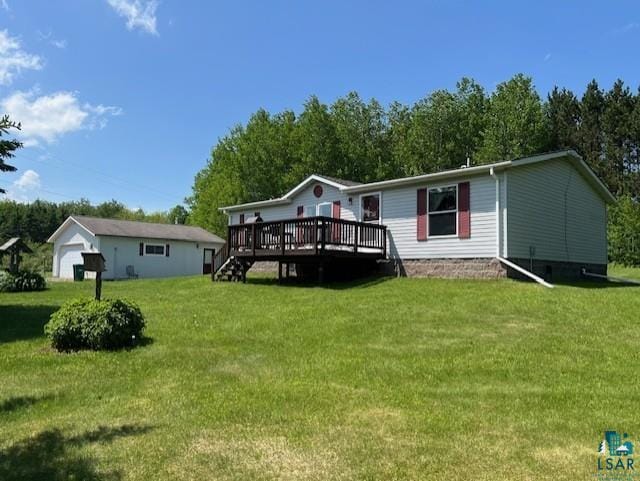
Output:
(154, 249)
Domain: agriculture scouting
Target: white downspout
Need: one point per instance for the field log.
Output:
(498, 223)
(505, 207)
(527, 273)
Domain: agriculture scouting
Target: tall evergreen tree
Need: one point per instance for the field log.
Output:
(590, 135)
(617, 131)
(7, 146)
(563, 114)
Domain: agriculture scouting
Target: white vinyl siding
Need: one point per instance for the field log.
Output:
(552, 208)
(67, 250)
(185, 258)
(399, 210)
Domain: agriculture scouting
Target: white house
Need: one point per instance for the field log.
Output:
(133, 248)
(546, 214)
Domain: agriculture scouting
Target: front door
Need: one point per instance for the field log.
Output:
(207, 262)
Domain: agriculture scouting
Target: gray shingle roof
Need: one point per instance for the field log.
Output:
(348, 183)
(145, 230)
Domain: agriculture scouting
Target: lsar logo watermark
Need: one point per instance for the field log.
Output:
(615, 460)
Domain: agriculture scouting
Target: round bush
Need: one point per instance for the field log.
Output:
(23, 281)
(7, 282)
(99, 325)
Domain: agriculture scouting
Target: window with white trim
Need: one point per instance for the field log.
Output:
(370, 207)
(154, 249)
(443, 211)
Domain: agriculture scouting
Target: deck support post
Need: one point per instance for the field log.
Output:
(287, 267)
(321, 272)
(355, 239)
(279, 272)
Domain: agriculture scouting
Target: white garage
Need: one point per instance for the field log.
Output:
(133, 249)
(69, 255)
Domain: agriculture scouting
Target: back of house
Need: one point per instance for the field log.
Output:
(546, 214)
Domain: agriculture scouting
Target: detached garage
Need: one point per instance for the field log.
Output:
(133, 249)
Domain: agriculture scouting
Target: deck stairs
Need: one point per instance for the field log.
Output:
(233, 270)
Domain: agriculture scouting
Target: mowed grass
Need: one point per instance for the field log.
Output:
(383, 379)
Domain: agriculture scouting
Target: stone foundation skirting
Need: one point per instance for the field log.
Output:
(480, 268)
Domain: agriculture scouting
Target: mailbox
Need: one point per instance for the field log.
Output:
(93, 261)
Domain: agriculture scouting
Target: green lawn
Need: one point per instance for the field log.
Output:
(387, 379)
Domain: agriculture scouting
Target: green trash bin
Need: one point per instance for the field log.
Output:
(78, 272)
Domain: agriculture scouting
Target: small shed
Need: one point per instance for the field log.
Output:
(14, 247)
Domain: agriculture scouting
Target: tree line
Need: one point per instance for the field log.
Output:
(363, 141)
(36, 221)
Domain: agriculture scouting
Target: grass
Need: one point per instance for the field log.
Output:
(385, 379)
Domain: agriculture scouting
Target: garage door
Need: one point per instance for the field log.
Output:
(69, 255)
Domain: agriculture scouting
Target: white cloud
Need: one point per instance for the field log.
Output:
(48, 117)
(22, 188)
(138, 13)
(48, 37)
(4, 5)
(13, 59)
(547, 57)
(30, 179)
(625, 28)
(59, 43)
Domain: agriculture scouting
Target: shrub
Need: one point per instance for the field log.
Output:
(99, 325)
(23, 281)
(7, 282)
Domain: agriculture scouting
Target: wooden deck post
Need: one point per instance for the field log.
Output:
(282, 236)
(384, 241)
(253, 239)
(355, 239)
(279, 272)
(287, 267)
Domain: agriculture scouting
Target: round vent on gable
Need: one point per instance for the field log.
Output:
(317, 190)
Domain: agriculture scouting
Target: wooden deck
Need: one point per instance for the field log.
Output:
(307, 237)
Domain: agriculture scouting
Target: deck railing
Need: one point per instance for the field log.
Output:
(220, 258)
(309, 235)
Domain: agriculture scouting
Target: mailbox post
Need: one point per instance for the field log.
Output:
(94, 262)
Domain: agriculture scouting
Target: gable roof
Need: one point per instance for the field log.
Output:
(286, 198)
(146, 230)
(17, 243)
(348, 183)
(355, 187)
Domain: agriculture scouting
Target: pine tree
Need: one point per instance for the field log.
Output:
(602, 449)
(563, 113)
(616, 127)
(7, 147)
(590, 136)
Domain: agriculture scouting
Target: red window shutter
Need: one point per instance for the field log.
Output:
(464, 216)
(337, 229)
(300, 212)
(242, 218)
(422, 214)
(336, 210)
(141, 251)
(166, 250)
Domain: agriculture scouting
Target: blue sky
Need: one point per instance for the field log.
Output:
(125, 98)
